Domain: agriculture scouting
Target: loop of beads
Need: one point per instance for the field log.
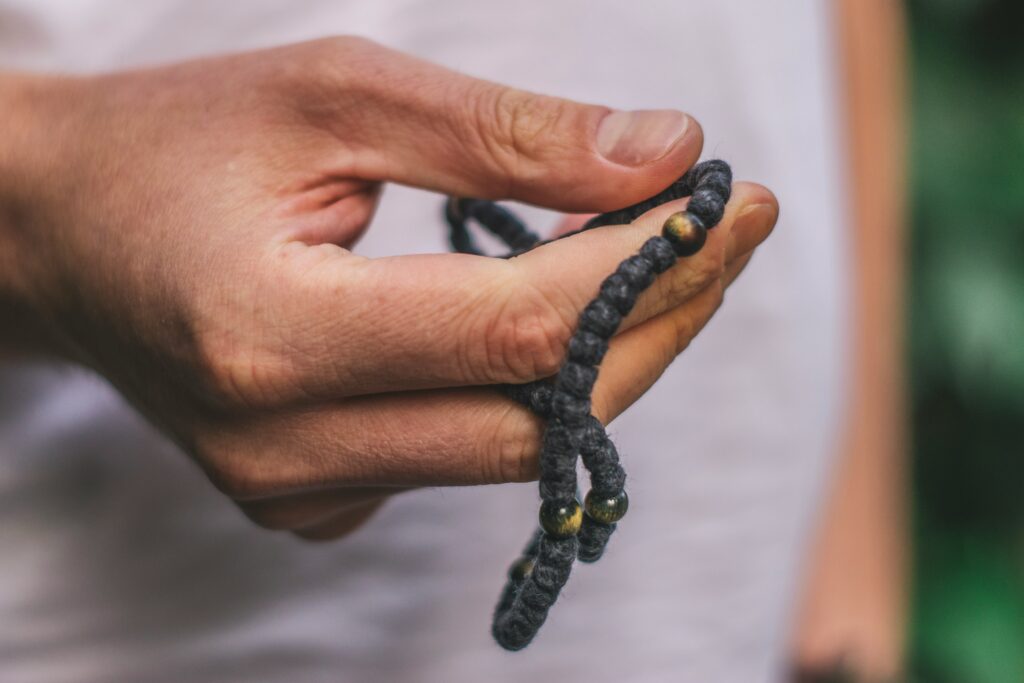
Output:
(569, 531)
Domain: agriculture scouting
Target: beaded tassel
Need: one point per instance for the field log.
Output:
(569, 531)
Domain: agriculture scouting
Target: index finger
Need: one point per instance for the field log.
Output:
(426, 321)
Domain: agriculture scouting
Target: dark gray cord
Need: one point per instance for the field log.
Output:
(569, 531)
(497, 219)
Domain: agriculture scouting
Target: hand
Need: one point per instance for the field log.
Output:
(185, 231)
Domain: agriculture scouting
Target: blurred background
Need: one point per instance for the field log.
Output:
(966, 349)
(966, 341)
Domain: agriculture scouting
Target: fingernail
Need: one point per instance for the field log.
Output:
(633, 138)
(759, 216)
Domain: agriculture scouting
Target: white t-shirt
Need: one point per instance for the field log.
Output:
(119, 562)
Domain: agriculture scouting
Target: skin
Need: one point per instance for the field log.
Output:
(855, 603)
(186, 231)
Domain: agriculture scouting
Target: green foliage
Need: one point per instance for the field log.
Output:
(967, 338)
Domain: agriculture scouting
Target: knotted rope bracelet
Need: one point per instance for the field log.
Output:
(568, 530)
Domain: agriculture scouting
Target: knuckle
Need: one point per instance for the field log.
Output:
(685, 331)
(340, 48)
(233, 476)
(239, 471)
(236, 375)
(683, 283)
(525, 338)
(518, 128)
(709, 269)
(513, 446)
(316, 69)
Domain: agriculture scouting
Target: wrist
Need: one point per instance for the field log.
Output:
(29, 146)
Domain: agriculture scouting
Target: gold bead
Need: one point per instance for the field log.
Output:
(561, 521)
(607, 510)
(685, 233)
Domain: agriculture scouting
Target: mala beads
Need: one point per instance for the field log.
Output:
(569, 530)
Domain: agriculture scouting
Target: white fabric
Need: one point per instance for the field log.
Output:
(118, 562)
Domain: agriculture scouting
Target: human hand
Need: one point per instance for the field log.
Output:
(185, 231)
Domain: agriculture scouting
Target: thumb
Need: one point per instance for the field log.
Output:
(423, 125)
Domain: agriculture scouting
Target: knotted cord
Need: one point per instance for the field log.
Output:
(569, 531)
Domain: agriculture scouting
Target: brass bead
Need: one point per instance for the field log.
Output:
(607, 510)
(685, 233)
(522, 568)
(561, 521)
